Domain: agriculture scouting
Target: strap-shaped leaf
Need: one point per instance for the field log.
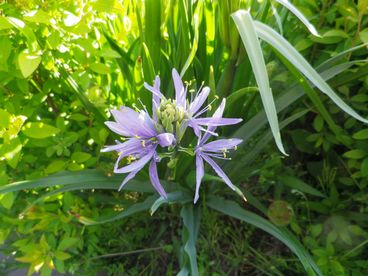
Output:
(232, 209)
(87, 179)
(245, 24)
(267, 34)
(175, 197)
(191, 219)
(298, 14)
(247, 130)
(135, 208)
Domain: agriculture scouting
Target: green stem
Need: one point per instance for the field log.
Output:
(127, 253)
(227, 78)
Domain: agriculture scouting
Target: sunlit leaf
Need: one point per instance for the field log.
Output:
(288, 51)
(39, 130)
(298, 14)
(28, 63)
(246, 27)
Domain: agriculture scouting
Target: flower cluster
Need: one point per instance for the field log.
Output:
(146, 137)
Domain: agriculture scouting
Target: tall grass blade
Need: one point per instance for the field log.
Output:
(87, 179)
(298, 14)
(196, 18)
(191, 219)
(246, 28)
(232, 209)
(289, 52)
(131, 210)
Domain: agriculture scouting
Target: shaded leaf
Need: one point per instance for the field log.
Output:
(232, 209)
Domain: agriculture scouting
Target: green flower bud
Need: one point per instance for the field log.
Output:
(169, 116)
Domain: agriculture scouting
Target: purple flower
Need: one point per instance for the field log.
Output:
(192, 110)
(140, 146)
(170, 119)
(215, 149)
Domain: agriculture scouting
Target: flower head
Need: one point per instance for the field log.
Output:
(140, 147)
(146, 137)
(215, 149)
(184, 113)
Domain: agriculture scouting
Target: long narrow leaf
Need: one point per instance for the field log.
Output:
(82, 96)
(191, 218)
(335, 59)
(263, 141)
(93, 179)
(135, 208)
(288, 51)
(97, 184)
(298, 14)
(246, 28)
(248, 129)
(175, 197)
(196, 19)
(232, 209)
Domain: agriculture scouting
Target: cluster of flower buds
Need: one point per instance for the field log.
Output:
(169, 116)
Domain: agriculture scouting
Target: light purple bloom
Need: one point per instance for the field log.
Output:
(140, 147)
(215, 149)
(146, 136)
(191, 110)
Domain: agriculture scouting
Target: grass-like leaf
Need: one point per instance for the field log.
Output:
(82, 96)
(87, 179)
(135, 208)
(175, 197)
(196, 18)
(300, 185)
(191, 219)
(267, 34)
(298, 14)
(232, 209)
(247, 130)
(245, 24)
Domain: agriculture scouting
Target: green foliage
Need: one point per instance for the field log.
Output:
(63, 65)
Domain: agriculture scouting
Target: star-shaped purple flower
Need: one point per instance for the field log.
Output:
(140, 147)
(170, 119)
(215, 149)
(191, 110)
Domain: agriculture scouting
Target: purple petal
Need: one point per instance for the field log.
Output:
(218, 170)
(180, 91)
(166, 139)
(222, 144)
(155, 98)
(195, 127)
(132, 146)
(136, 165)
(117, 128)
(117, 147)
(199, 100)
(134, 123)
(130, 176)
(155, 180)
(218, 114)
(154, 90)
(217, 121)
(199, 175)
